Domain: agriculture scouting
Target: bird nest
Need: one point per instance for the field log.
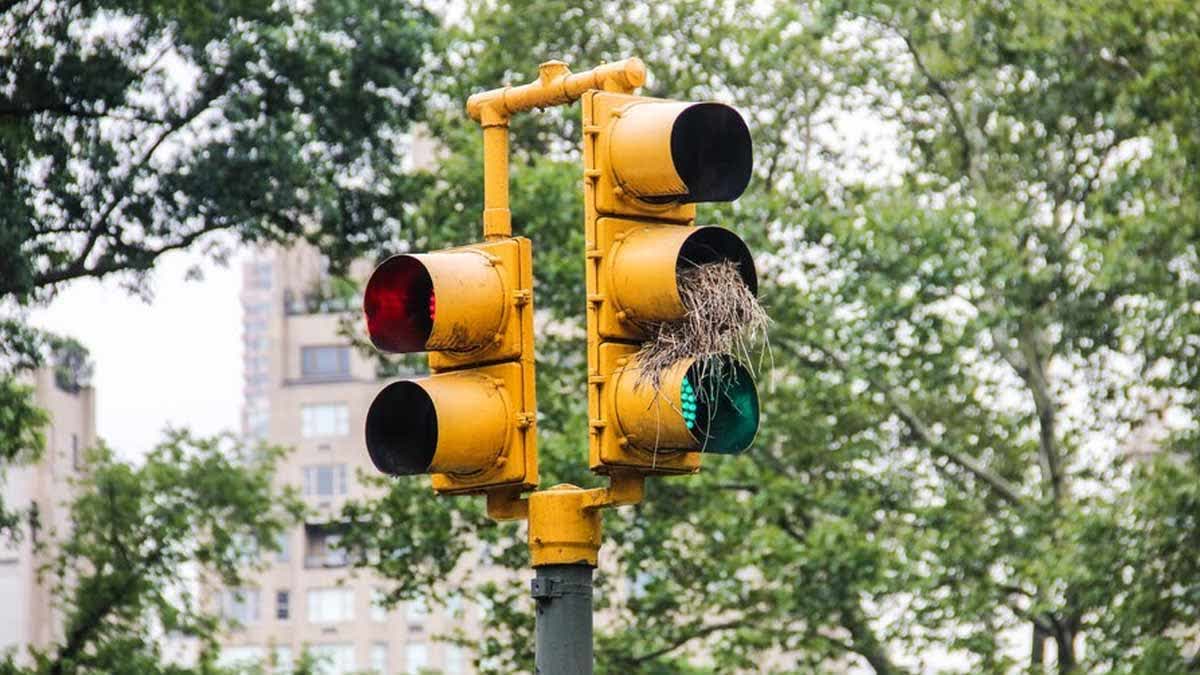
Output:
(723, 318)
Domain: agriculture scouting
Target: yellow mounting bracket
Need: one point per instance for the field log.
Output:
(564, 521)
(556, 85)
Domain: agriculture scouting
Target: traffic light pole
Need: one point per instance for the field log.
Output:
(563, 595)
(564, 547)
(564, 521)
(471, 424)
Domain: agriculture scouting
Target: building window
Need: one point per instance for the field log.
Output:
(257, 423)
(284, 545)
(324, 419)
(330, 605)
(324, 362)
(418, 611)
(240, 657)
(240, 605)
(323, 547)
(283, 660)
(379, 657)
(455, 662)
(333, 659)
(282, 605)
(454, 605)
(260, 276)
(257, 308)
(325, 480)
(378, 609)
(76, 455)
(416, 656)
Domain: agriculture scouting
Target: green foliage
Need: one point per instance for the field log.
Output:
(128, 129)
(22, 440)
(978, 313)
(123, 573)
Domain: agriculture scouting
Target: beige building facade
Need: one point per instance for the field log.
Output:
(43, 490)
(306, 388)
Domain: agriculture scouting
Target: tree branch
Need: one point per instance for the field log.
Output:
(84, 627)
(703, 631)
(960, 130)
(100, 226)
(69, 111)
(1039, 386)
(99, 270)
(938, 88)
(866, 644)
(922, 431)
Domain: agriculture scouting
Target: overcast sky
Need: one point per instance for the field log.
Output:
(175, 361)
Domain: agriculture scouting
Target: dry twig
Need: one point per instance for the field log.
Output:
(723, 318)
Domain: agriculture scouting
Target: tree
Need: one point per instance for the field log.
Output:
(128, 129)
(978, 313)
(21, 421)
(123, 575)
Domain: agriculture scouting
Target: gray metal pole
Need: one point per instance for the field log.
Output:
(563, 594)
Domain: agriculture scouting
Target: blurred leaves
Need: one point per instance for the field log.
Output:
(976, 233)
(976, 227)
(147, 543)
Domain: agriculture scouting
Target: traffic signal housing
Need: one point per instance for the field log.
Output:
(471, 423)
(647, 163)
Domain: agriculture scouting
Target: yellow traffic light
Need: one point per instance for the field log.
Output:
(647, 162)
(470, 424)
(657, 158)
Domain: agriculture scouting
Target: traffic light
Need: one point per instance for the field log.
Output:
(647, 163)
(471, 423)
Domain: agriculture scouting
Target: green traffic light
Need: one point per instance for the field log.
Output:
(719, 403)
(687, 397)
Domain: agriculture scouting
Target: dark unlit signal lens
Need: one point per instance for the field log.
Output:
(712, 152)
(402, 430)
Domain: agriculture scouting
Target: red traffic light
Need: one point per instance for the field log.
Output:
(399, 303)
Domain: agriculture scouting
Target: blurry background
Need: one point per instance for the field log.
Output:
(976, 228)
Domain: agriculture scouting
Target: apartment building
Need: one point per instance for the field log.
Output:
(306, 388)
(44, 491)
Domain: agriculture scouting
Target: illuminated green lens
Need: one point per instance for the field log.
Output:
(720, 405)
(687, 397)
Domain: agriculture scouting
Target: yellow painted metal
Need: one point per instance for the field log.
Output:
(639, 274)
(609, 450)
(563, 530)
(555, 85)
(485, 441)
(564, 521)
(621, 180)
(506, 504)
(476, 283)
(469, 451)
(647, 419)
(513, 259)
(639, 149)
(635, 426)
(497, 219)
(639, 261)
(473, 309)
(483, 330)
